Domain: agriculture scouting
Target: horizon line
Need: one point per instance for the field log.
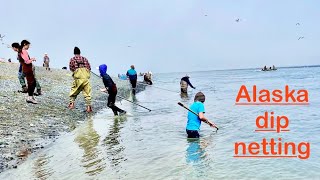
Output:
(293, 66)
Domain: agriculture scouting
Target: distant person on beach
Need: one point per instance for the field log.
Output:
(27, 69)
(80, 67)
(111, 89)
(184, 84)
(194, 122)
(46, 61)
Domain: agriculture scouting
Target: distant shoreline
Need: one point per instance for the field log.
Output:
(257, 68)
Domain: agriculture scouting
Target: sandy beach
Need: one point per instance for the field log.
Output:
(25, 128)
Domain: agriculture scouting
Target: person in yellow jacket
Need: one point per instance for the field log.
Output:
(80, 67)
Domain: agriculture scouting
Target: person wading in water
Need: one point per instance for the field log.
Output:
(184, 84)
(194, 121)
(111, 88)
(132, 75)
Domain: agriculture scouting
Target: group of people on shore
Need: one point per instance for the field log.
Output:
(81, 69)
(26, 70)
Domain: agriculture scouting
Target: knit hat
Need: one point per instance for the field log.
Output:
(76, 50)
(199, 97)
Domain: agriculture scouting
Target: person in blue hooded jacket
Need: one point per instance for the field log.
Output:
(111, 88)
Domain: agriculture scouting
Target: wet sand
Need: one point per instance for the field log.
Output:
(26, 128)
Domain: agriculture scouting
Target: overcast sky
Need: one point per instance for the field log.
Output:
(166, 35)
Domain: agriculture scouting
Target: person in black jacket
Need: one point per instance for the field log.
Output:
(111, 88)
(184, 84)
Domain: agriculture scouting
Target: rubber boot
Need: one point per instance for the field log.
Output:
(71, 105)
(39, 92)
(24, 89)
(89, 109)
(122, 112)
(115, 112)
(30, 99)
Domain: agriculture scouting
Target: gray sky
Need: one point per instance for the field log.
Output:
(166, 35)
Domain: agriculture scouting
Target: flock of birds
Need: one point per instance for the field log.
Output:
(297, 24)
(237, 20)
(301, 37)
(1, 39)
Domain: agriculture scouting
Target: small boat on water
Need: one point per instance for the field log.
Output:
(273, 68)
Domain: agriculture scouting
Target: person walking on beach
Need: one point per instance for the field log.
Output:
(80, 67)
(132, 75)
(194, 121)
(38, 87)
(184, 84)
(111, 88)
(46, 61)
(21, 77)
(26, 63)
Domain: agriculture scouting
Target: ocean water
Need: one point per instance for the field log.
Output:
(153, 145)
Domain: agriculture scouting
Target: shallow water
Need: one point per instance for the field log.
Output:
(153, 145)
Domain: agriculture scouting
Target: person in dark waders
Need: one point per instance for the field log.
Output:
(132, 75)
(184, 83)
(111, 88)
(26, 64)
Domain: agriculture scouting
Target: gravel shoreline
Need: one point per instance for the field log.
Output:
(25, 128)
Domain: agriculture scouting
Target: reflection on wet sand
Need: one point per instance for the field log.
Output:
(40, 168)
(88, 140)
(112, 142)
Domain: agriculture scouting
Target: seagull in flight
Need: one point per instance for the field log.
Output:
(301, 37)
(1, 37)
(129, 46)
(238, 20)
(298, 24)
